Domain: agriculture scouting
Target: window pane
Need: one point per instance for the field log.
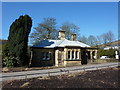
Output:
(68, 54)
(44, 55)
(72, 54)
(47, 56)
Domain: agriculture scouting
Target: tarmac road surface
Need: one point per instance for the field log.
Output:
(56, 71)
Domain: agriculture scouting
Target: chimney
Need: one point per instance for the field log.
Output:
(73, 37)
(61, 34)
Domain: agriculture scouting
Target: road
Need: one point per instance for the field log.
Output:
(56, 71)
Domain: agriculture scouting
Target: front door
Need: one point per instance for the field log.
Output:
(84, 57)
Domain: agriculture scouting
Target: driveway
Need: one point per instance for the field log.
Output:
(56, 71)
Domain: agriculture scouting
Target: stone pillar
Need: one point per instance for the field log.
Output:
(74, 54)
(116, 55)
(91, 56)
(56, 57)
(70, 54)
(96, 54)
(65, 56)
(79, 54)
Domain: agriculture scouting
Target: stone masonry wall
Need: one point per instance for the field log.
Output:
(37, 59)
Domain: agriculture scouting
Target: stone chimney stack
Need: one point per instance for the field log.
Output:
(61, 34)
(73, 37)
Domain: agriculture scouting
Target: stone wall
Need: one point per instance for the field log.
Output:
(37, 58)
(72, 62)
(59, 56)
(93, 53)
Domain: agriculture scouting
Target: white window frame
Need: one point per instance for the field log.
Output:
(46, 56)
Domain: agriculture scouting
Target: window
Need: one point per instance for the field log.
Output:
(46, 56)
(72, 54)
(68, 54)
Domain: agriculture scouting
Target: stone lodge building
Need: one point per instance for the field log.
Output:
(61, 52)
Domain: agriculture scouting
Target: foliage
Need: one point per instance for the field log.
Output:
(8, 61)
(18, 39)
(5, 51)
(110, 53)
(45, 30)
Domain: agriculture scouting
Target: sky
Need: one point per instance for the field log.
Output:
(93, 18)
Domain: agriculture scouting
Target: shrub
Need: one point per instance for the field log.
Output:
(8, 61)
(110, 53)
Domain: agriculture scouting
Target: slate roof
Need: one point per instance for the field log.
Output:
(59, 43)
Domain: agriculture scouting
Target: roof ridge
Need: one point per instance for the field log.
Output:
(61, 41)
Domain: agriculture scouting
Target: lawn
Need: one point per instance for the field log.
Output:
(104, 78)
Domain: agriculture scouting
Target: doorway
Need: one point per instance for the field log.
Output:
(84, 57)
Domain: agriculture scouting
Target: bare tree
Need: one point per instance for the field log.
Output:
(107, 37)
(83, 39)
(99, 40)
(70, 28)
(92, 40)
(104, 38)
(110, 36)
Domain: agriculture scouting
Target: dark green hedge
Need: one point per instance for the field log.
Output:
(110, 53)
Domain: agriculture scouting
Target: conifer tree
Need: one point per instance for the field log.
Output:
(18, 39)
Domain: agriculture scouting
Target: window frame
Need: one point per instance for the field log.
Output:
(46, 56)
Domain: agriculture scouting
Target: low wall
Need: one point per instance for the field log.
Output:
(72, 62)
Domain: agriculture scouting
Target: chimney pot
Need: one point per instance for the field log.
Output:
(62, 34)
(73, 36)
